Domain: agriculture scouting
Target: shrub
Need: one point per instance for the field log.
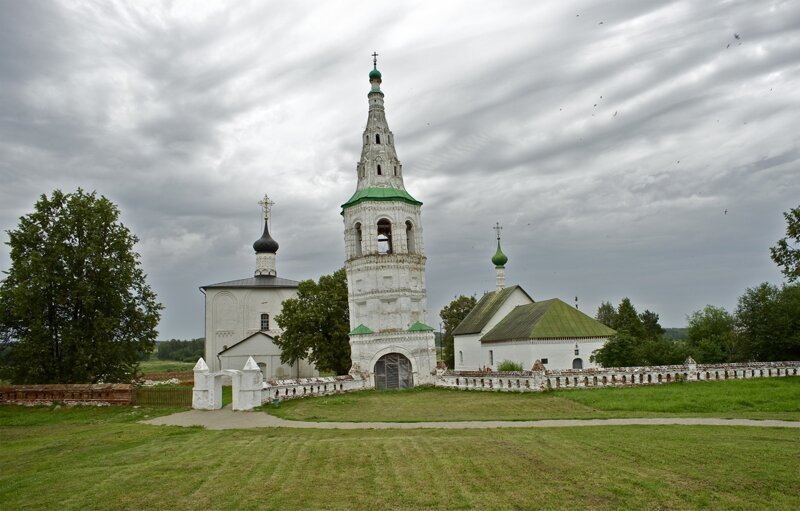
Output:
(509, 366)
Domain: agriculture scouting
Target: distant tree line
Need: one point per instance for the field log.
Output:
(181, 350)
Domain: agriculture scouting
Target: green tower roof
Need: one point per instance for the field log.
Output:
(380, 194)
(420, 327)
(375, 74)
(499, 259)
(361, 330)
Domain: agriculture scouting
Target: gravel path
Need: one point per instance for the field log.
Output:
(228, 419)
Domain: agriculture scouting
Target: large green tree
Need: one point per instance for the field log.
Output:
(452, 314)
(712, 337)
(786, 253)
(74, 306)
(768, 319)
(316, 324)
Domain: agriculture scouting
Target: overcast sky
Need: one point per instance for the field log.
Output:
(608, 138)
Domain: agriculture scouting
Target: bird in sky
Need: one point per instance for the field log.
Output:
(736, 36)
(725, 212)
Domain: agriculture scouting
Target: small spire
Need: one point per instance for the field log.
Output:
(499, 259)
(374, 60)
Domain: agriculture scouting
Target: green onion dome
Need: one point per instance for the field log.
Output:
(499, 258)
(374, 74)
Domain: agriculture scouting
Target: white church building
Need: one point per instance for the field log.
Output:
(240, 315)
(507, 324)
(391, 346)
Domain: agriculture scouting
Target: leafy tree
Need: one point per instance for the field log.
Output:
(316, 324)
(649, 320)
(786, 252)
(769, 320)
(621, 350)
(606, 314)
(627, 320)
(452, 314)
(75, 306)
(712, 338)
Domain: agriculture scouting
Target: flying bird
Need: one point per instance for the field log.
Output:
(736, 36)
(615, 113)
(725, 212)
(729, 45)
(600, 23)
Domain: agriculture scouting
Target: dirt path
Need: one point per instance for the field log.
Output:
(228, 419)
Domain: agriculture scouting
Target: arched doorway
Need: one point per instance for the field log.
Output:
(393, 371)
(577, 363)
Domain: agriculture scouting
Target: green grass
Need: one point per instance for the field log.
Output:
(100, 458)
(767, 398)
(165, 366)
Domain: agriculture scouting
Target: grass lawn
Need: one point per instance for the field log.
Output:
(766, 398)
(100, 458)
(165, 366)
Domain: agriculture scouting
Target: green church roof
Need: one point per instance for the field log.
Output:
(420, 327)
(380, 194)
(361, 330)
(548, 319)
(374, 74)
(484, 310)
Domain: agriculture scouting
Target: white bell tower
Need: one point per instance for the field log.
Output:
(390, 343)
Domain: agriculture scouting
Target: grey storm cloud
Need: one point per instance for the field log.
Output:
(609, 138)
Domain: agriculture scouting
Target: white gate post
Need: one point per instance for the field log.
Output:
(247, 386)
(201, 395)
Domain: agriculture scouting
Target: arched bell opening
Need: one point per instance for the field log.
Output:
(384, 236)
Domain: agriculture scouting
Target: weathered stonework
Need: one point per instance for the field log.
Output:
(385, 260)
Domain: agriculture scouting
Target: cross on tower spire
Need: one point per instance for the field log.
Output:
(498, 228)
(375, 60)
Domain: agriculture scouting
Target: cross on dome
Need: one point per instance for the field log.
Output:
(266, 205)
(498, 228)
(375, 60)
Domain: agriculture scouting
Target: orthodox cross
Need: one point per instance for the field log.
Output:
(498, 229)
(266, 205)
(375, 60)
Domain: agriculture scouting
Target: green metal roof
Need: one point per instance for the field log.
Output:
(484, 310)
(374, 74)
(548, 319)
(361, 330)
(380, 194)
(499, 259)
(420, 327)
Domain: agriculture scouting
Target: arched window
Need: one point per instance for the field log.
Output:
(379, 169)
(461, 357)
(264, 322)
(377, 138)
(359, 239)
(384, 236)
(410, 237)
(577, 364)
(395, 170)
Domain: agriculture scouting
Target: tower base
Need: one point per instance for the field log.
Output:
(380, 359)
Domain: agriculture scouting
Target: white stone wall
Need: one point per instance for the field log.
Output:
(560, 353)
(235, 313)
(418, 347)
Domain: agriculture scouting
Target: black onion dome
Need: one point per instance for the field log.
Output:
(265, 244)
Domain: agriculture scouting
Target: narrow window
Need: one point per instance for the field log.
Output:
(577, 352)
(461, 357)
(377, 138)
(410, 237)
(544, 361)
(358, 240)
(395, 170)
(264, 322)
(384, 236)
(379, 169)
(491, 357)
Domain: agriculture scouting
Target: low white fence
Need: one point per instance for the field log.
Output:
(543, 379)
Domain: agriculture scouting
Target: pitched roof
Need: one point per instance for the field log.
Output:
(245, 340)
(420, 327)
(548, 319)
(380, 194)
(361, 330)
(484, 310)
(253, 282)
